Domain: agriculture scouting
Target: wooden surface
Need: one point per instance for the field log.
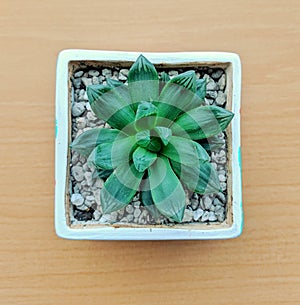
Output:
(260, 267)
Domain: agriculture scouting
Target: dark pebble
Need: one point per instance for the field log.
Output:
(83, 215)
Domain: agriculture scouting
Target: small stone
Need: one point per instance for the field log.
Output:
(221, 98)
(219, 210)
(212, 85)
(142, 216)
(136, 197)
(212, 216)
(83, 215)
(201, 203)
(194, 204)
(95, 80)
(222, 178)
(77, 82)
(129, 209)
(99, 183)
(97, 196)
(173, 73)
(77, 199)
(122, 77)
(88, 107)
(94, 73)
(207, 202)
(222, 197)
(78, 109)
(110, 218)
(211, 94)
(89, 178)
(89, 200)
(217, 73)
(197, 214)
(130, 217)
(222, 153)
(75, 158)
(222, 82)
(96, 215)
(217, 202)
(137, 212)
(124, 219)
(136, 204)
(121, 212)
(124, 72)
(91, 116)
(221, 217)
(78, 73)
(81, 123)
(87, 81)
(107, 73)
(77, 173)
(188, 215)
(208, 101)
(205, 216)
(82, 207)
(223, 186)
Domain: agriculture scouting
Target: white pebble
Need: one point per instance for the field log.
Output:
(137, 213)
(205, 216)
(212, 216)
(197, 214)
(78, 109)
(87, 81)
(188, 215)
(129, 209)
(77, 173)
(96, 215)
(77, 199)
(207, 202)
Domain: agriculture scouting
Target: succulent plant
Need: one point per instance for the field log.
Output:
(158, 142)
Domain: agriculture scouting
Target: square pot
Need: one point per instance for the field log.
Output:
(230, 228)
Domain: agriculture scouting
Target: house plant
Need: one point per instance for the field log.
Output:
(149, 120)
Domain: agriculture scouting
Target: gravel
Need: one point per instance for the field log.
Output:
(85, 190)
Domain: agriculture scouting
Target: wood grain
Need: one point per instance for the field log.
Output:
(260, 267)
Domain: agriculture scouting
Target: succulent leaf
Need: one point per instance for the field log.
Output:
(176, 96)
(143, 158)
(113, 83)
(201, 88)
(202, 179)
(143, 81)
(146, 198)
(143, 138)
(146, 116)
(164, 77)
(211, 144)
(101, 173)
(120, 187)
(111, 154)
(185, 151)
(167, 192)
(186, 80)
(88, 140)
(155, 144)
(164, 133)
(112, 105)
(202, 122)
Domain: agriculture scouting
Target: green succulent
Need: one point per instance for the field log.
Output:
(154, 143)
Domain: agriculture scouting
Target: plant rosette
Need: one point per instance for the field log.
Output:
(160, 137)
